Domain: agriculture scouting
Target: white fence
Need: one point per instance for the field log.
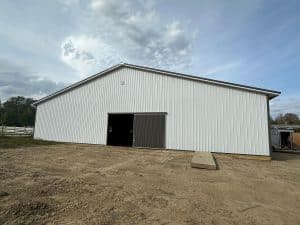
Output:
(16, 131)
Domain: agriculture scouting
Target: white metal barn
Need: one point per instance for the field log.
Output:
(144, 107)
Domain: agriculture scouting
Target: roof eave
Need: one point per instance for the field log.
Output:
(273, 95)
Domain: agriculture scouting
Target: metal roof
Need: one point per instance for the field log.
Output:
(270, 93)
(286, 126)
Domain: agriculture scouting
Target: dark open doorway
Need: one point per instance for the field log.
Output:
(120, 129)
(285, 140)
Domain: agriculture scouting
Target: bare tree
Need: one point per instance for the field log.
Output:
(288, 118)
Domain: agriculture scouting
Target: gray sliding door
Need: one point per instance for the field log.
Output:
(149, 130)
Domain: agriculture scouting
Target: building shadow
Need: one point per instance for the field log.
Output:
(285, 156)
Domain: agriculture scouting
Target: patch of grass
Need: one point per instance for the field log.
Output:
(15, 142)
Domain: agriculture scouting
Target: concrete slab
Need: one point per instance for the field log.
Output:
(203, 160)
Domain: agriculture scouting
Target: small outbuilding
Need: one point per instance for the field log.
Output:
(282, 137)
(130, 105)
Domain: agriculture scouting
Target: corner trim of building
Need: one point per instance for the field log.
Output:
(269, 126)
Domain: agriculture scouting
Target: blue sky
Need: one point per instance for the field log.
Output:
(45, 45)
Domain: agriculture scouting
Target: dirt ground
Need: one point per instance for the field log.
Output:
(89, 184)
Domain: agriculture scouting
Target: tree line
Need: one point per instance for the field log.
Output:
(18, 111)
(288, 119)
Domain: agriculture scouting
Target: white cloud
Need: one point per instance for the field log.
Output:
(68, 2)
(87, 55)
(96, 4)
(129, 32)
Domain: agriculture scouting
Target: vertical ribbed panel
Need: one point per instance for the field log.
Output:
(199, 116)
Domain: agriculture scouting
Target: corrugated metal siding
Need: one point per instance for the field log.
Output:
(200, 116)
